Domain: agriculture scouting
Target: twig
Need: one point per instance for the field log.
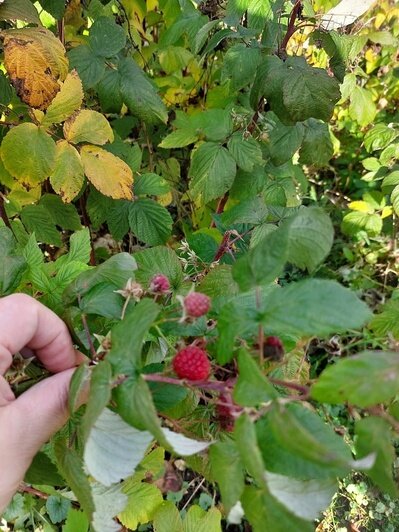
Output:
(292, 385)
(218, 386)
(24, 488)
(82, 203)
(3, 212)
(291, 29)
(220, 207)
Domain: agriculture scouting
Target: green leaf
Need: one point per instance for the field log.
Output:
(12, 266)
(75, 521)
(37, 219)
(251, 211)
(357, 221)
(304, 498)
(156, 260)
(218, 282)
(28, 153)
(179, 139)
(362, 107)
(317, 148)
(266, 513)
(296, 442)
(108, 90)
(90, 67)
(247, 445)
(379, 137)
(114, 448)
(263, 263)
(363, 380)
(57, 508)
(144, 500)
(65, 216)
(79, 381)
(373, 435)
(228, 471)
(6, 90)
(43, 471)
(314, 307)
(284, 141)
(212, 171)
(213, 124)
(239, 65)
(150, 221)
(252, 388)
(167, 518)
(139, 94)
(106, 37)
(99, 396)
(150, 184)
(387, 322)
(19, 10)
(102, 300)
(71, 467)
(197, 520)
(308, 91)
(56, 8)
(68, 100)
(79, 247)
(310, 237)
(128, 337)
(246, 151)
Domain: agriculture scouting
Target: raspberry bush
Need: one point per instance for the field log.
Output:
(168, 179)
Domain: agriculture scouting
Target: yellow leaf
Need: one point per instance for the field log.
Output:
(144, 500)
(109, 174)
(20, 196)
(35, 60)
(387, 211)
(66, 102)
(68, 175)
(88, 126)
(361, 206)
(165, 199)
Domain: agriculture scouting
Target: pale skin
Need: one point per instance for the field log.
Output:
(28, 421)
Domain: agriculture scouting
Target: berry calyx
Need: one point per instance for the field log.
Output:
(192, 363)
(159, 284)
(196, 304)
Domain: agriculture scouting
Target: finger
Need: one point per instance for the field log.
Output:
(6, 394)
(24, 322)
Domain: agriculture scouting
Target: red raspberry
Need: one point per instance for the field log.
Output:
(196, 304)
(192, 363)
(159, 284)
(273, 348)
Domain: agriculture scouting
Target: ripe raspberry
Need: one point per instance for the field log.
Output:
(159, 284)
(192, 363)
(196, 304)
(273, 348)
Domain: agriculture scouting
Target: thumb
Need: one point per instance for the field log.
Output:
(29, 421)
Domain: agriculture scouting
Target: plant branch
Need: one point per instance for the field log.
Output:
(293, 386)
(3, 213)
(291, 29)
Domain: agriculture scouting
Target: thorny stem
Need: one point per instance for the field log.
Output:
(220, 206)
(292, 385)
(24, 488)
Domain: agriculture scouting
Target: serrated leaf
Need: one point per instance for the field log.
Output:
(167, 518)
(228, 471)
(373, 435)
(65, 216)
(182, 445)
(66, 102)
(197, 520)
(139, 94)
(12, 266)
(150, 184)
(379, 137)
(88, 126)
(99, 396)
(143, 501)
(317, 148)
(75, 520)
(67, 176)
(387, 322)
(304, 498)
(43, 471)
(37, 219)
(99, 165)
(90, 67)
(6, 91)
(56, 8)
(373, 378)
(263, 263)
(156, 260)
(107, 38)
(28, 153)
(108, 501)
(246, 151)
(302, 308)
(35, 60)
(179, 139)
(362, 107)
(114, 448)
(150, 222)
(109, 92)
(57, 508)
(310, 237)
(212, 171)
(19, 10)
(239, 64)
(252, 387)
(357, 221)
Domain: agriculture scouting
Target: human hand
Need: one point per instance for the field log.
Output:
(27, 422)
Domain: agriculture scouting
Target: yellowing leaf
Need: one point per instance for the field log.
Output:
(68, 175)
(35, 60)
(88, 126)
(165, 199)
(66, 102)
(28, 153)
(361, 206)
(387, 211)
(109, 174)
(19, 10)
(144, 500)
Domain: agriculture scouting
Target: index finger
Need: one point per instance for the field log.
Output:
(24, 322)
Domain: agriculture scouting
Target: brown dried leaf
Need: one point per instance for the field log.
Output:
(35, 60)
